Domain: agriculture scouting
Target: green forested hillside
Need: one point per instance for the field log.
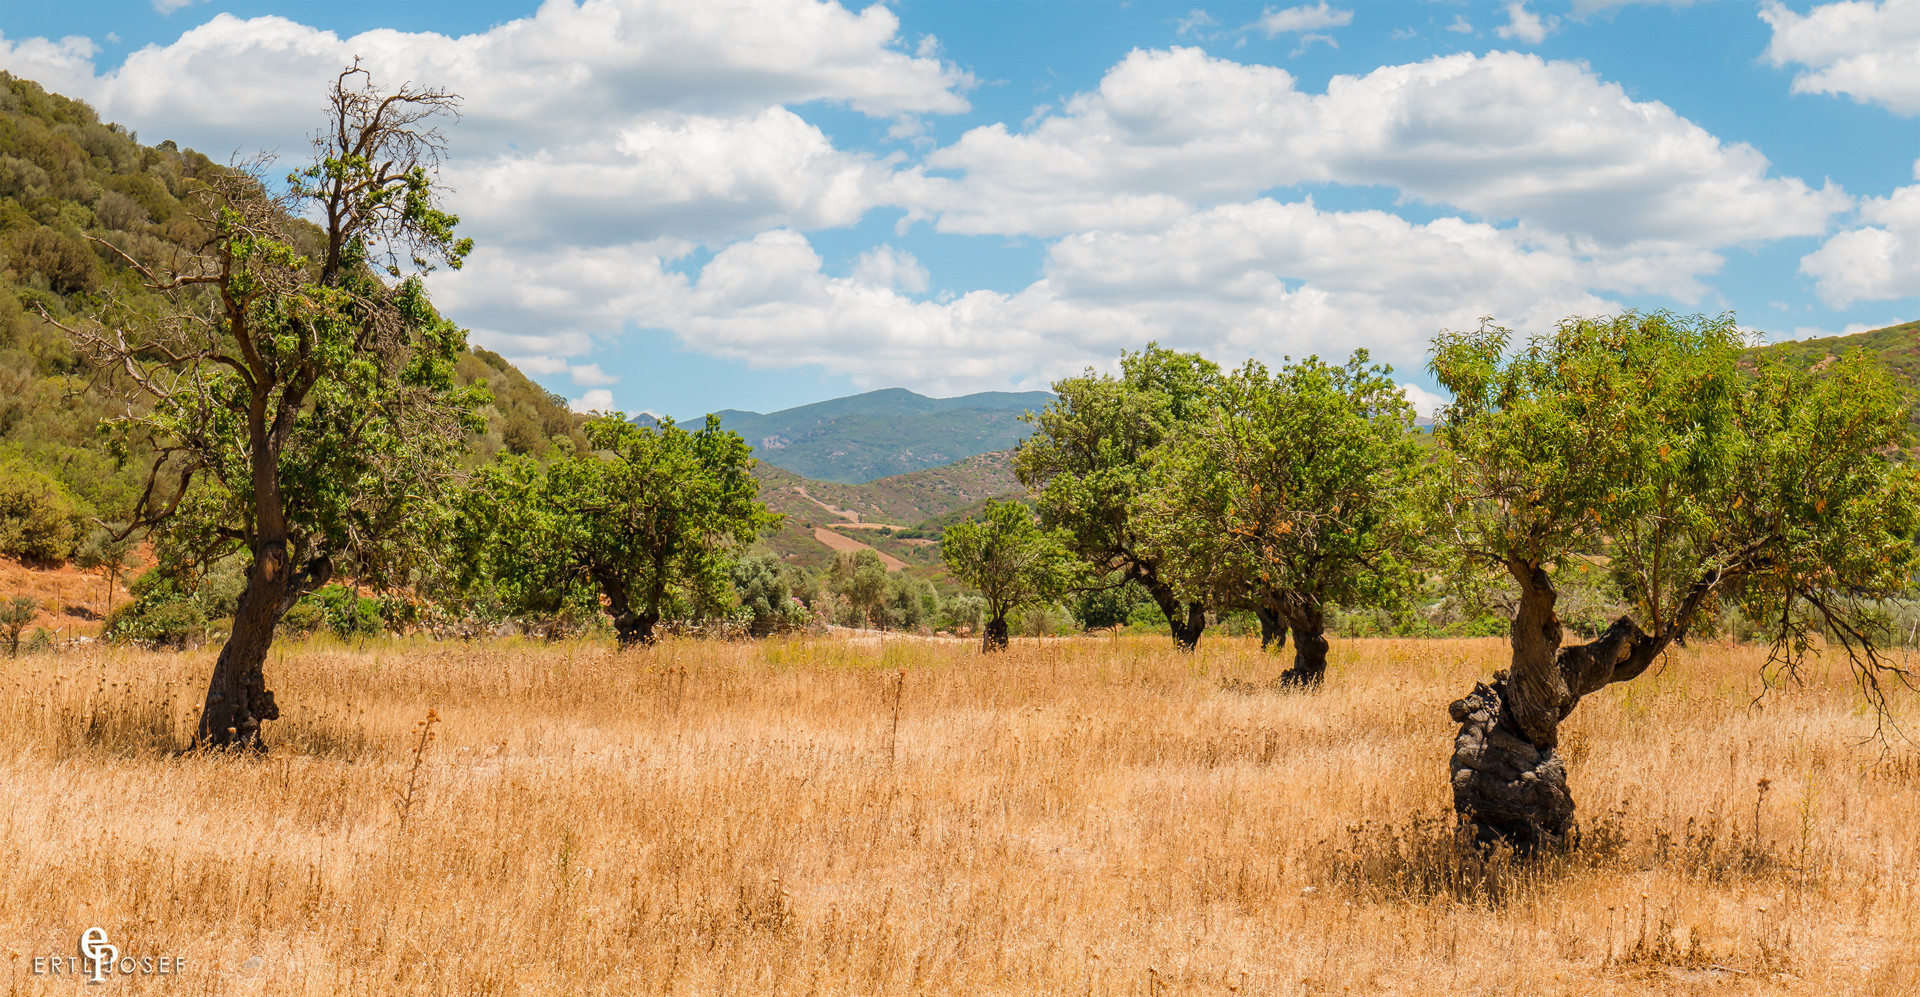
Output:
(1897, 345)
(81, 203)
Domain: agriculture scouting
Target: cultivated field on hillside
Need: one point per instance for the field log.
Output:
(1079, 816)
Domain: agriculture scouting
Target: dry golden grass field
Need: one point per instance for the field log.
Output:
(1089, 816)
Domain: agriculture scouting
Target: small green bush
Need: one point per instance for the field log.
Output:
(39, 521)
(15, 614)
(348, 614)
(170, 610)
(303, 620)
(166, 620)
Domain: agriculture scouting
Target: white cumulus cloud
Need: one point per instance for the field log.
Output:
(885, 266)
(1504, 136)
(1878, 260)
(1525, 25)
(1868, 51)
(1426, 404)
(235, 83)
(597, 400)
(704, 178)
(1319, 17)
(1258, 278)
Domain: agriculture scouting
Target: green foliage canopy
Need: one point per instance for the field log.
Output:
(1089, 464)
(1011, 559)
(650, 520)
(1294, 487)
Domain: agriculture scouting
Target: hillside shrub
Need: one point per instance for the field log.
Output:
(962, 611)
(160, 616)
(39, 520)
(170, 609)
(912, 602)
(348, 614)
(304, 620)
(1044, 620)
(766, 596)
(15, 614)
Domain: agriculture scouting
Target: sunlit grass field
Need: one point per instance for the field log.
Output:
(828, 816)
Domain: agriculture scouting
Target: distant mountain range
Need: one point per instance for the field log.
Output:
(880, 433)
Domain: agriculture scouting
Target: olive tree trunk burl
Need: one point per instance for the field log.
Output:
(1509, 781)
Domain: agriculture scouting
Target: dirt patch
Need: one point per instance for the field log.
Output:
(71, 601)
(849, 545)
(846, 514)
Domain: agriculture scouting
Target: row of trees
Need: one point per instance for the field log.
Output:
(1274, 491)
(1652, 446)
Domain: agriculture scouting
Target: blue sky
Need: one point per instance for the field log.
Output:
(684, 207)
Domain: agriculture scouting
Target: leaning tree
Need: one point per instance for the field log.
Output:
(1011, 559)
(1089, 466)
(297, 406)
(647, 521)
(1293, 491)
(1701, 479)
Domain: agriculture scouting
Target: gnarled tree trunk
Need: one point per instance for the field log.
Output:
(1509, 782)
(1273, 630)
(1186, 632)
(1186, 620)
(1308, 621)
(633, 629)
(630, 628)
(238, 699)
(994, 636)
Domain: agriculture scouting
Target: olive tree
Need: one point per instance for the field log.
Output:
(1089, 464)
(1643, 440)
(764, 592)
(1011, 559)
(297, 407)
(649, 521)
(1291, 492)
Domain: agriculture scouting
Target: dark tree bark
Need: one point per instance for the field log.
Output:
(1273, 630)
(1186, 620)
(1186, 633)
(632, 629)
(1308, 621)
(994, 637)
(238, 699)
(1509, 782)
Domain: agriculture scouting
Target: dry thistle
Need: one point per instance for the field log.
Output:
(406, 798)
